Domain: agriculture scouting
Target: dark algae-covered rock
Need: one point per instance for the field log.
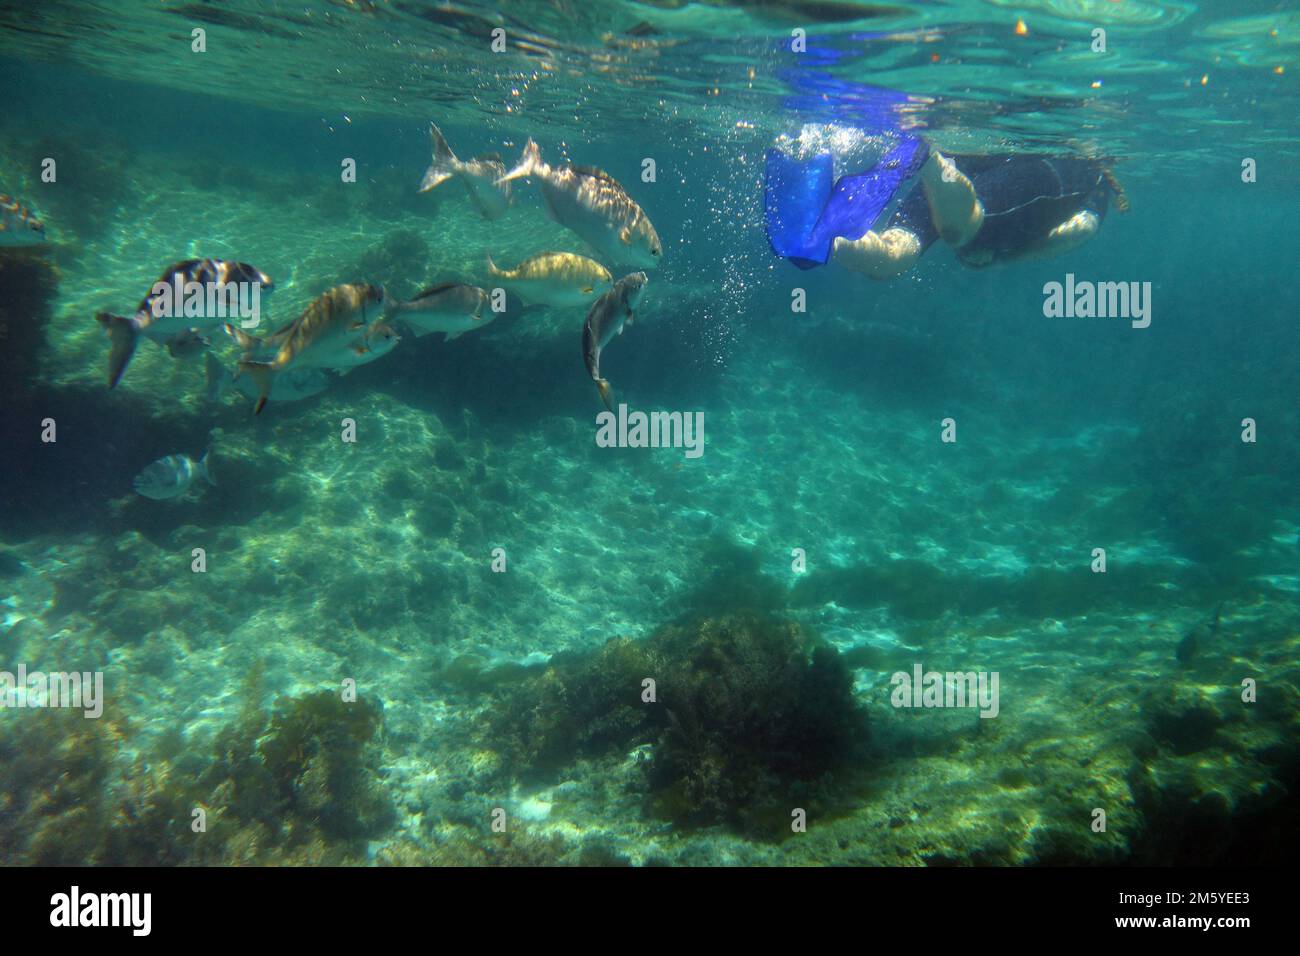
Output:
(749, 718)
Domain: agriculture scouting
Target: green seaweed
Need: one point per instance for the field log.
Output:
(297, 785)
(752, 718)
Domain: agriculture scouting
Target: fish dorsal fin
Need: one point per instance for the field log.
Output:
(434, 289)
(184, 267)
(596, 173)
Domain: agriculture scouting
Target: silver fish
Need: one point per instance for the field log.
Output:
(291, 386)
(593, 204)
(172, 476)
(212, 274)
(20, 227)
(187, 344)
(480, 176)
(450, 308)
(608, 315)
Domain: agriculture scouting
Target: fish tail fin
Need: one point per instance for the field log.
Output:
(440, 148)
(443, 164)
(529, 163)
(606, 392)
(243, 339)
(493, 271)
(214, 373)
(205, 468)
(122, 336)
(261, 374)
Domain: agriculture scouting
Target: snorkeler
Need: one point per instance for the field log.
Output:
(991, 209)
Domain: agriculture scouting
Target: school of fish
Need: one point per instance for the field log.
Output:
(197, 302)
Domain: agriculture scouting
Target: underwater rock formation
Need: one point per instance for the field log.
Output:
(296, 786)
(28, 286)
(56, 765)
(751, 718)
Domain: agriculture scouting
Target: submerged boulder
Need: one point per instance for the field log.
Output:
(747, 718)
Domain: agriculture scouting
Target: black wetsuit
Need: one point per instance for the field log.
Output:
(1024, 198)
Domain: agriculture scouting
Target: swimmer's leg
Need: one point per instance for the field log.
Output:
(1071, 234)
(955, 209)
(879, 255)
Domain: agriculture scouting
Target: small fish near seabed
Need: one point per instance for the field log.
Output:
(610, 313)
(1198, 638)
(450, 308)
(557, 279)
(480, 176)
(172, 476)
(188, 298)
(341, 329)
(594, 205)
(19, 226)
(291, 386)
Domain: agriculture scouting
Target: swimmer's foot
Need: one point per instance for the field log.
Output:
(1076, 230)
(879, 256)
(956, 211)
(1071, 234)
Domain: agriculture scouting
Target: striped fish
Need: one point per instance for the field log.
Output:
(339, 330)
(124, 331)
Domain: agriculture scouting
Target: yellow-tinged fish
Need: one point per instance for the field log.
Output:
(480, 176)
(339, 330)
(558, 279)
(608, 315)
(593, 204)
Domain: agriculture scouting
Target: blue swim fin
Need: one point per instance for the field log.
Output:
(859, 199)
(794, 193)
(805, 215)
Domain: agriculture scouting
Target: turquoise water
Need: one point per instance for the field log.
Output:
(429, 645)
